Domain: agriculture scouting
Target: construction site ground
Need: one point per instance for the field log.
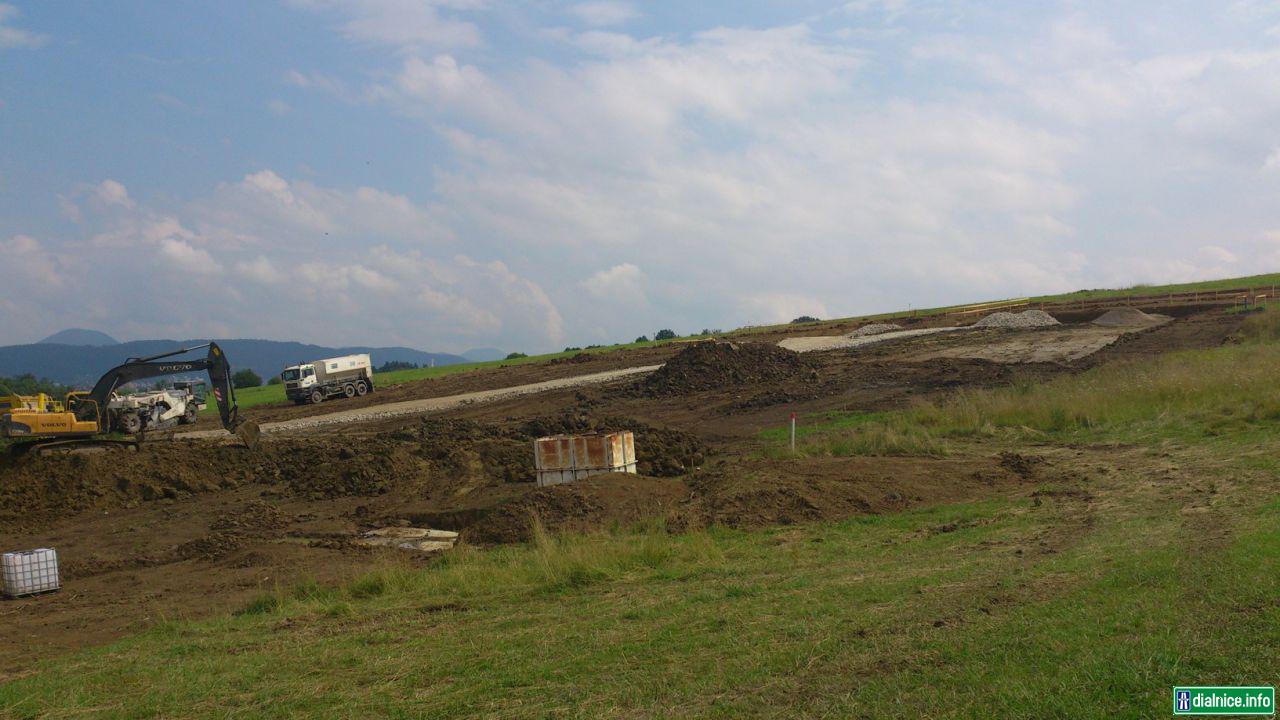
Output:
(198, 525)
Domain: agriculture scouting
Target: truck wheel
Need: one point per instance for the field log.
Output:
(130, 423)
(361, 388)
(349, 390)
(189, 415)
(317, 397)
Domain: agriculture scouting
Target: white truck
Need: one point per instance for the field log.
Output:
(319, 380)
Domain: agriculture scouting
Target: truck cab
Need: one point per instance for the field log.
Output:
(298, 378)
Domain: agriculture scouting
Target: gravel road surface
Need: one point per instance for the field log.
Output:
(834, 342)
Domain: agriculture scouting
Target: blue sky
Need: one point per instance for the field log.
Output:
(450, 174)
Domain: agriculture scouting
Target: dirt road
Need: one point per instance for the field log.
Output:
(818, 343)
(412, 407)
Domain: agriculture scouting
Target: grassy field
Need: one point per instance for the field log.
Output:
(1153, 560)
(1240, 283)
(1009, 608)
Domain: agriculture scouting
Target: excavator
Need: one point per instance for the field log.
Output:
(83, 420)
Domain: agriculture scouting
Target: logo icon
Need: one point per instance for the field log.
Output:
(1184, 700)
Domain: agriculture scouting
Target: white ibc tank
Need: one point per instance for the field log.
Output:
(30, 572)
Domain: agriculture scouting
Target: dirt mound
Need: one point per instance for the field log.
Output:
(213, 546)
(715, 365)
(770, 492)
(465, 453)
(660, 452)
(481, 452)
(69, 483)
(1127, 317)
(433, 457)
(1024, 319)
(584, 505)
(314, 468)
(758, 493)
(256, 519)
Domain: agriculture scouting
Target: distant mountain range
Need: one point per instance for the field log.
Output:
(82, 362)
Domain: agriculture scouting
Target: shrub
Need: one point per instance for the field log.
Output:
(665, 334)
(642, 338)
(274, 380)
(28, 384)
(804, 319)
(393, 365)
(245, 378)
(516, 355)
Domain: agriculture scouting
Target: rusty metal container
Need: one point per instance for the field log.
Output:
(565, 458)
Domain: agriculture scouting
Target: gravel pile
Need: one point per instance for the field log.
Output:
(1128, 317)
(874, 329)
(1025, 319)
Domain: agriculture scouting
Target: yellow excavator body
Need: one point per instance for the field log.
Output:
(23, 416)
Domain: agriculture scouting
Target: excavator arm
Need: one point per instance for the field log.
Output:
(93, 405)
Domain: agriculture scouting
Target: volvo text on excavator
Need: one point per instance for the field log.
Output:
(84, 418)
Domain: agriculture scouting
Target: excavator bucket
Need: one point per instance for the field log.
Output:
(249, 432)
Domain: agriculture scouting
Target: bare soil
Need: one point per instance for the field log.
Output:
(192, 527)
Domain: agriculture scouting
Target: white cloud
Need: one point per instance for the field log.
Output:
(1272, 163)
(189, 259)
(265, 242)
(69, 209)
(737, 153)
(317, 81)
(32, 266)
(606, 12)
(21, 246)
(782, 307)
(621, 284)
(261, 270)
(141, 229)
(1218, 254)
(12, 37)
(111, 192)
(444, 83)
(403, 24)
